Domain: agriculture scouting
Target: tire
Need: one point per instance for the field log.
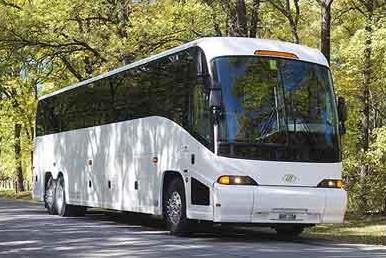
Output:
(174, 208)
(289, 232)
(64, 209)
(50, 196)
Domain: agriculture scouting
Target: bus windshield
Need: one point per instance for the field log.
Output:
(276, 109)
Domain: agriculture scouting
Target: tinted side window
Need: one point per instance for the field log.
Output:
(171, 89)
(161, 88)
(51, 116)
(201, 114)
(76, 108)
(165, 87)
(103, 105)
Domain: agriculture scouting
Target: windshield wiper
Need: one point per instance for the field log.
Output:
(266, 132)
(306, 128)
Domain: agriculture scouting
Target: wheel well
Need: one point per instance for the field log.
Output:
(47, 177)
(169, 176)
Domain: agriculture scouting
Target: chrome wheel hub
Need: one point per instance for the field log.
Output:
(174, 207)
(50, 195)
(59, 197)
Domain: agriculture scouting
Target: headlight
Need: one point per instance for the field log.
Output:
(331, 183)
(236, 180)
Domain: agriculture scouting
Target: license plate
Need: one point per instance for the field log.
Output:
(287, 216)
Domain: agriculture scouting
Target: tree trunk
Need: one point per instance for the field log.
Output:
(325, 42)
(255, 20)
(294, 31)
(365, 103)
(384, 207)
(32, 149)
(216, 26)
(123, 17)
(293, 16)
(19, 169)
(238, 20)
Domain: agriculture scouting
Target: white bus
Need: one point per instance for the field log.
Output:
(225, 130)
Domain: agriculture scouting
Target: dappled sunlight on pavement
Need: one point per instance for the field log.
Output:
(26, 230)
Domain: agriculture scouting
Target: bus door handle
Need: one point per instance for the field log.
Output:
(186, 175)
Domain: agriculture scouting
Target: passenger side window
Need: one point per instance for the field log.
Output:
(201, 113)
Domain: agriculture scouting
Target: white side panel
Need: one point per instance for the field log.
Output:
(335, 206)
(233, 204)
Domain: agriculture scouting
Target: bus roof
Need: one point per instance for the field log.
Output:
(232, 46)
(216, 47)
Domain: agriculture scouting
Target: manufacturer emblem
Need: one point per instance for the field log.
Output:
(289, 178)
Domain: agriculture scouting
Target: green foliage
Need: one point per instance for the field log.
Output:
(375, 181)
(11, 194)
(348, 65)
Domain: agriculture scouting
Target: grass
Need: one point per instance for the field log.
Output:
(369, 229)
(11, 194)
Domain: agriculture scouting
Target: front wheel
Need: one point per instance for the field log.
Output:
(174, 207)
(289, 232)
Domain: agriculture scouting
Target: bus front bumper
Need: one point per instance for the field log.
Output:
(278, 204)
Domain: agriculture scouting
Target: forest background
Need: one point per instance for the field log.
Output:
(47, 45)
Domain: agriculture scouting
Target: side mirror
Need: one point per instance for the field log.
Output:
(342, 114)
(218, 115)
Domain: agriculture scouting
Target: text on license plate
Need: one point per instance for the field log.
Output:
(287, 216)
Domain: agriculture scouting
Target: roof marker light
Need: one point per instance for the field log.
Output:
(280, 54)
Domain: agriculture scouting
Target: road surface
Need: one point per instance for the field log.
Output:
(27, 231)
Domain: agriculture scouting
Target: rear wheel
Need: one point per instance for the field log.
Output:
(64, 209)
(49, 196)
(174, 207)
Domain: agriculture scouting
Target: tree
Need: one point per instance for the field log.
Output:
(368, 9)
(238, 18)
(359, 64)
(255, 19)
(291, 10)
(325, 28)
(47, 45)
(238, 23)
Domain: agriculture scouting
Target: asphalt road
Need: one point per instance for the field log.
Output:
(27, 231)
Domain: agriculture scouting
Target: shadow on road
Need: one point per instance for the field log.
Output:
(199, 230)
(26, 230)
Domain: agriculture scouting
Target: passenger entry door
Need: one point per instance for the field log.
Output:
(195, 173)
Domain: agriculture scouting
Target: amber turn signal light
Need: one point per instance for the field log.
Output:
(236, 180)
(331, 183)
